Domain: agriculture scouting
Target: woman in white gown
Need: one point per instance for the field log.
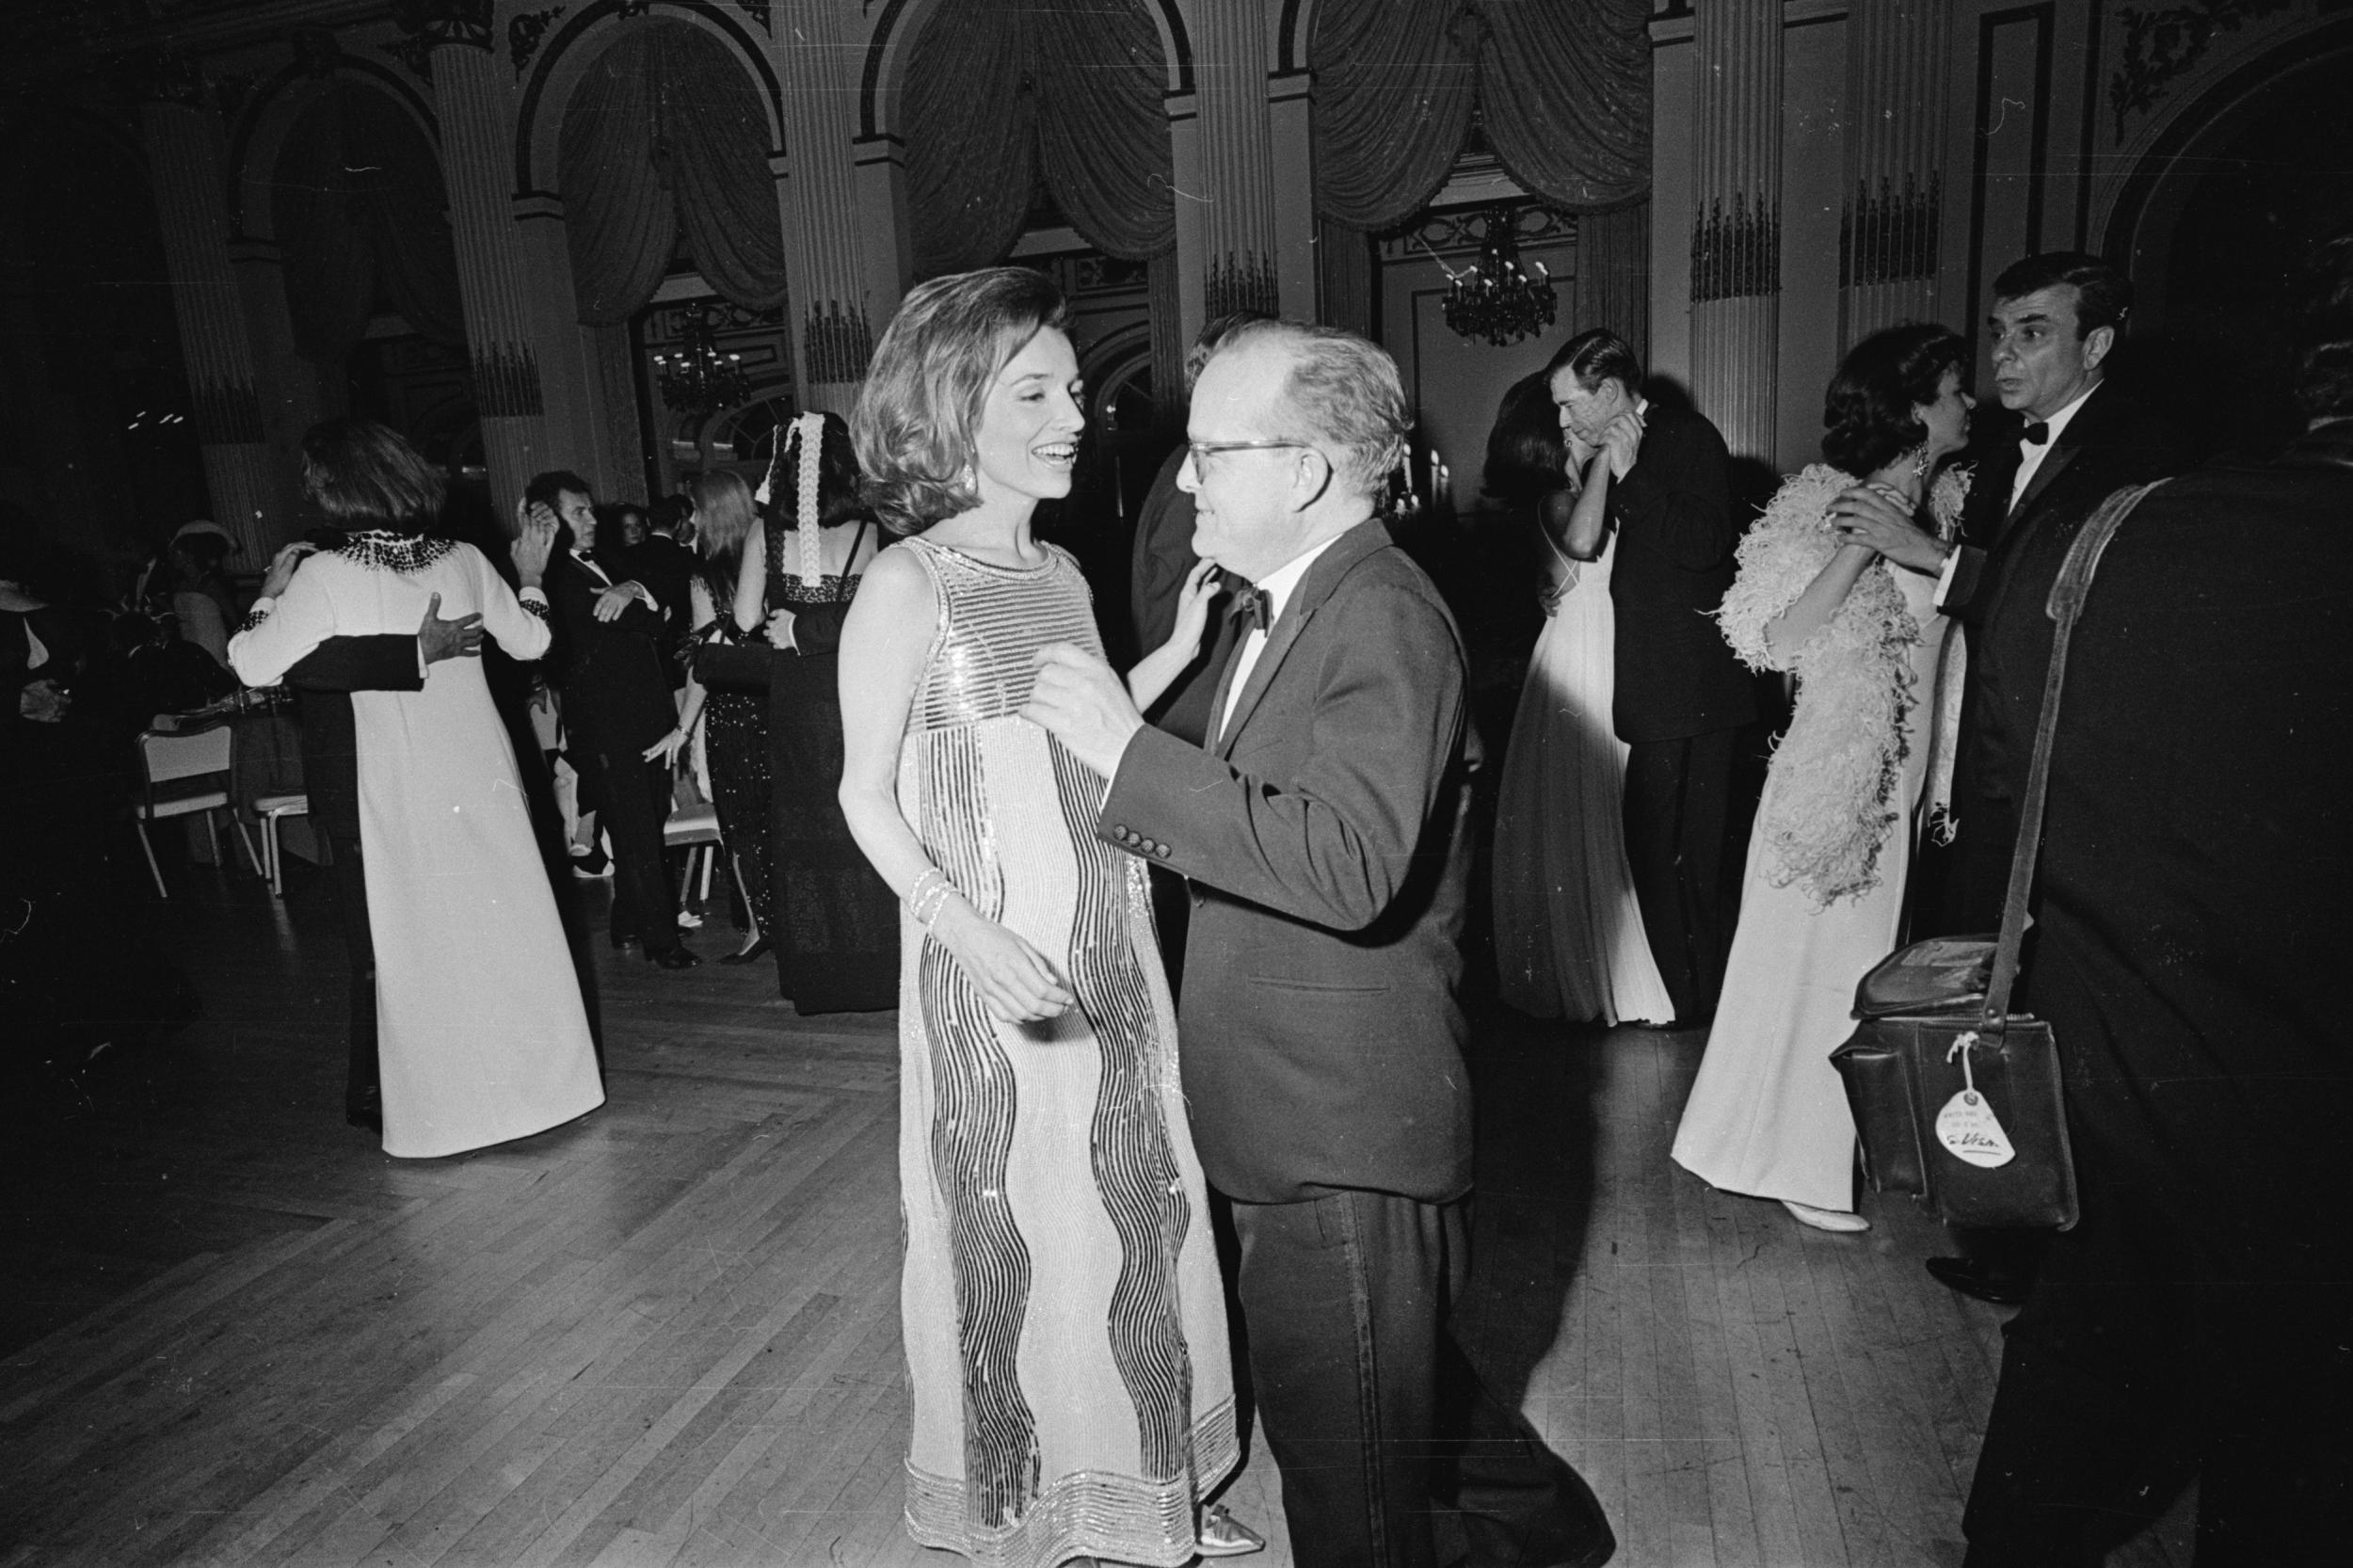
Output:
(481, 1033)
(1822, 898)
(1569, 938)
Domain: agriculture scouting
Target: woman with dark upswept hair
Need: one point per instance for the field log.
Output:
(481, 1036)
(834, 928)
(1065, 1326)
(1869, 741)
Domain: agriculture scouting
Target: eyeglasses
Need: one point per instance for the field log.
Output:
(1202, 451)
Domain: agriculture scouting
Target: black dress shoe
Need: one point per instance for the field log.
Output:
(679, 957)
(758, 949)
(620, 938)
(1973, 1278)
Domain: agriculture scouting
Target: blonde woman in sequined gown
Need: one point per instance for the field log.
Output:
(1063, 1322)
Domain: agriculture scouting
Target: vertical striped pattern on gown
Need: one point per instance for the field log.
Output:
(1065, 1336)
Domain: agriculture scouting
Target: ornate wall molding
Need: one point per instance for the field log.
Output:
(837, 345)
(1736, 254)
(523, 32)
(2162, 45)
(506, 382)
(151, 76)
(1888, 235)
(1465, 233)
(1245, 282)
(426, 24)
(226, 414)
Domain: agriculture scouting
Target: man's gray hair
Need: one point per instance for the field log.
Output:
(1344, 395)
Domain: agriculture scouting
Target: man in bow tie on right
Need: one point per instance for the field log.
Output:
(2056, 320)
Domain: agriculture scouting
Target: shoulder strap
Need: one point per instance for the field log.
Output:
(2066, 605)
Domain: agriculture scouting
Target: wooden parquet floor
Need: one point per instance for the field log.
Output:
(235, 1333)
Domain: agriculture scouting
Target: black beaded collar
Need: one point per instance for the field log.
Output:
(386, 550)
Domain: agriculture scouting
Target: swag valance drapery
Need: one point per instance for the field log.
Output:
(666, 130)
(1002, 93)
(361, 214)
(1562, 91)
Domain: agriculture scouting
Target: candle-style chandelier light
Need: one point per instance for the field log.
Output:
(1494, 298)
(696, 378)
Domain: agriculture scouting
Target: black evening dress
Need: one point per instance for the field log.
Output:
(835, 931)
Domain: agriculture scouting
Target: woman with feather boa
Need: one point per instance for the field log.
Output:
(1823, 895)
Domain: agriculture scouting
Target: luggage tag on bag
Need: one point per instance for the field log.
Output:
(1967, 1125)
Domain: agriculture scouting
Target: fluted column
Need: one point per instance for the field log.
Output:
(832, 306)
(1735, 230)
(187, 162)
(1237, 196)
(474, 101)
(1896, 89)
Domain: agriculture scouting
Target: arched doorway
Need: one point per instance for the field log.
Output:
(2250, 175)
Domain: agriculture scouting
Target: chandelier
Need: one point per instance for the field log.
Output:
(696, 378)
(1493, 298)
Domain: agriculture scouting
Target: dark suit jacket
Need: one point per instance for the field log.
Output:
(1676, 676)
(2008, 560)
(2199, 846)
(1326, 840)
(617, 694)
(323, 680)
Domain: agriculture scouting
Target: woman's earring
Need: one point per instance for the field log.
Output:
(1921, 461)
(970, 478)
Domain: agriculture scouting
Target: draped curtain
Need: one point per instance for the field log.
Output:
(666, 132)
(1562, 91)
(1002, 93)
(360, 212)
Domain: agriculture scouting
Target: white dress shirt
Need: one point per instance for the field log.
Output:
(2029, 460)
(1279, 586)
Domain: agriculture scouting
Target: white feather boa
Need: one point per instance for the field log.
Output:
(1837, 771)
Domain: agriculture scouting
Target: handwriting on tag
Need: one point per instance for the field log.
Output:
(1968, 1127)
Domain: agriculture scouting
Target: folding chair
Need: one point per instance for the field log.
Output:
(186, 773)
(696, 828)
(270, 808)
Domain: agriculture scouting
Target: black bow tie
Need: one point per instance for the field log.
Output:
(2037, 434)
(1252, 606)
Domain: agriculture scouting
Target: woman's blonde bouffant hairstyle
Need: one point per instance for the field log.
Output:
(917, 413)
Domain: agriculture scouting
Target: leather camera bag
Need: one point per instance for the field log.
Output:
(1936, 1041)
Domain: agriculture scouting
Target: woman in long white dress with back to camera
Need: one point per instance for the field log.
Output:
(482, 1036)
(1569, 937)
(1822, 897)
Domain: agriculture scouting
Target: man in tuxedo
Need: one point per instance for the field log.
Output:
(618, 714)
(1324, 829)
(2075, 440)
(2055, 321)
(2194, 927)
(1681, 697)
(323, 681)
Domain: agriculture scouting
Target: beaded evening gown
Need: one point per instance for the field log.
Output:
(735, 739)
(835, 931)
(1064, 1327)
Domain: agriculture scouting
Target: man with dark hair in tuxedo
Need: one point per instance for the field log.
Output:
(2194, 927)
(2073, 440)
(618, 714)
(1681, 695)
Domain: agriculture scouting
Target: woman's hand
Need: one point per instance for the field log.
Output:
(534, 543)
(1865, 516)
(1016, 981)
(283, 566)
(666, 749)
(1192, 608)
(780, 631)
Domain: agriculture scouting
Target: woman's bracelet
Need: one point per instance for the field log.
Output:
(929, 896)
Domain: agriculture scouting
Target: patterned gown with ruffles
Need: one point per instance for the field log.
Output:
(1065, 1331)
